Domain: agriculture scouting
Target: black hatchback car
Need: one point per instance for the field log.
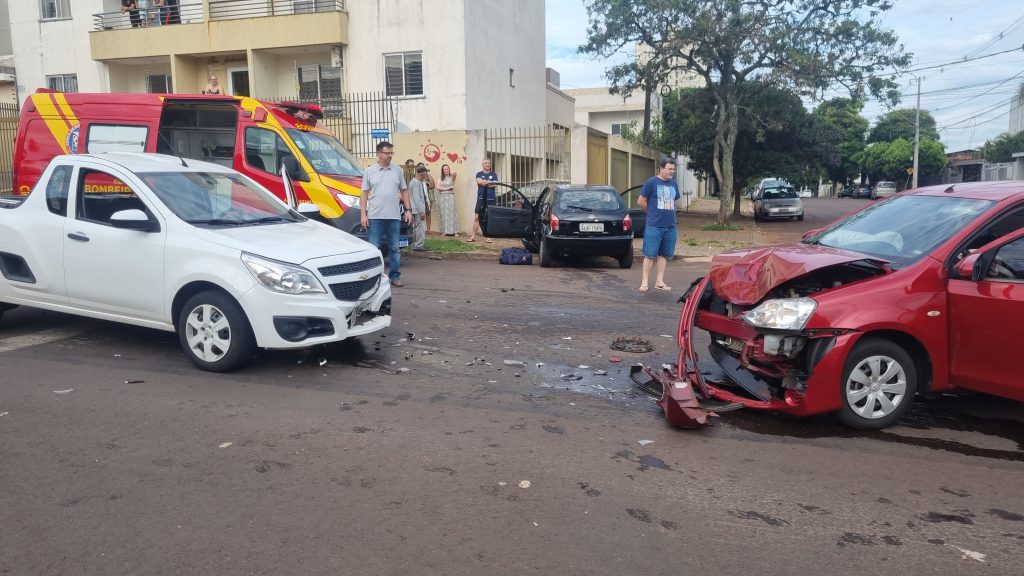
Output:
(566, 221)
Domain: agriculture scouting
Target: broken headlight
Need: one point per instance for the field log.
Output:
(782, 313)
(281, 277)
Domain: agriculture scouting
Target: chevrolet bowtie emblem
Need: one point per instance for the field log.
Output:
(364, 276)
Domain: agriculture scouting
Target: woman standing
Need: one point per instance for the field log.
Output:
(446, 202)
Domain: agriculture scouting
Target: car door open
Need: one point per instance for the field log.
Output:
(514, 216)
(636, 213)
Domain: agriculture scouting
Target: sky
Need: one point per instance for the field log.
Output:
(970, 101)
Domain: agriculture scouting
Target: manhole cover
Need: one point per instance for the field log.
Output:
(633, 344)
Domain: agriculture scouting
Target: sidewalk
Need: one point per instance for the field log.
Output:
(693, 242)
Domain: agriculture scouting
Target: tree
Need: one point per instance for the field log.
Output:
(900, 124)
(843, 127)
(1003, 147)
(892, 160)
(776, 136)
(805, 45)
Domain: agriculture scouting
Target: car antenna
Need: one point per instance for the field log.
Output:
(171, 146)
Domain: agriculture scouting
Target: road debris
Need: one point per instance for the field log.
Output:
(516, 363)
(134, 381)
(644, 442)
(225, 444)
(666, 335)
(68, 391)
(524, 483)
(583, 366)
(567, 338)
(600, 372)
(4, 413)
(968, 554)
(570, 377)
(323, 361)
(614, 359)
(539, 364)
(632, 344)
(411, 335)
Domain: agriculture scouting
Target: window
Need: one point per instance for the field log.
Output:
(264, 149)
(617, 129)
(114, 138)
(63, 82)
(403, 74)
(158, 83)
(318, 82)
(55, 9)
(57, 190)
(1009, 262)
(100, 195)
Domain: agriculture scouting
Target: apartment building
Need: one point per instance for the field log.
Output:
(450, 64)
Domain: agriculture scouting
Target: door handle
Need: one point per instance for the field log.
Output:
(79, 237)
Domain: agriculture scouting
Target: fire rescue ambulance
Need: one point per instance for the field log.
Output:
(252, 136)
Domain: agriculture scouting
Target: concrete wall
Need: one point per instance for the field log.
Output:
(513, 33)
(5, 30)
(451, 147)
(559, 107)
(433, 28)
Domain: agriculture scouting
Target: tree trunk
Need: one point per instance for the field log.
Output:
(647, 115)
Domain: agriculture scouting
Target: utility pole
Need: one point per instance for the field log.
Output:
(917, 130)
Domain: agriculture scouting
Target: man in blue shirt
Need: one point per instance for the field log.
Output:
(484, 195)
(658, 198)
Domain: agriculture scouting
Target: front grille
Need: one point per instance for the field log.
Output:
(351, 267)
(351, 291)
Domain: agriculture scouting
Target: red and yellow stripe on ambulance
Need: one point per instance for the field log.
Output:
(317, 188)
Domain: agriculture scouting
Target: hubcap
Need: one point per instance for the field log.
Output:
(876, 387)
(208, 333)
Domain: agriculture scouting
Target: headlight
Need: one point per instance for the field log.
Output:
(782, 313)
(281, 277)
(346, 200)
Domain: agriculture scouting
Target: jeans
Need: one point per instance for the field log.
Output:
(659, 242)
(389, 231)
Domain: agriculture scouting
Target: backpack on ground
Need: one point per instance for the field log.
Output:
(515, 256)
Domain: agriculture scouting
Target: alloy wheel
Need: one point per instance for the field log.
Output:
(876, 387)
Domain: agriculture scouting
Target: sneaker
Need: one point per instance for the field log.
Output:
(416, 249)
(397, 282)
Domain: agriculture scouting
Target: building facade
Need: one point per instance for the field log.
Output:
(1017, 111)
(449, 64)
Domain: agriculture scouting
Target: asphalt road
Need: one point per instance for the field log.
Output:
(117, 457)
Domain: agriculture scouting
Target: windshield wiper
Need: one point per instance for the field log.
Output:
(218, 222)
(585, 209)
(270, 219)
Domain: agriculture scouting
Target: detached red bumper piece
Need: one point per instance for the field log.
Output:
(677, 397)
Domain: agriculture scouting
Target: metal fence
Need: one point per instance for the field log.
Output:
(529, 158)
(8, 130)
(232, 9)
(182, 13)
(354, 118)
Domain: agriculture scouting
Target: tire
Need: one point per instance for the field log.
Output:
(214, 332)
(870, 402)
(757, 218)
(626, 261)
(800, 218)
(545, 253)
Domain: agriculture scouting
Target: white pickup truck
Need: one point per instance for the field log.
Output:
(187, 247)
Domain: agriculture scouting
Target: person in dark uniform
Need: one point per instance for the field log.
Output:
(134, 16)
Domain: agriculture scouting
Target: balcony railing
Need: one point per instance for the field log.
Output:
(192, 13)
(232, 9)
(149, 17)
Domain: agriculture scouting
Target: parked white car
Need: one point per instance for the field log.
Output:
(188, 247)
(883, 189)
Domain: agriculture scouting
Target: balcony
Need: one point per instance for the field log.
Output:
(212, 26)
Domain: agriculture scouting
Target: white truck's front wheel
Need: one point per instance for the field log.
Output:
(214, 332)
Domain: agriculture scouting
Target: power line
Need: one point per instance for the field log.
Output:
(982, 94)
(1013, 27)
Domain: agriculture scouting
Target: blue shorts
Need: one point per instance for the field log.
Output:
(659, 242)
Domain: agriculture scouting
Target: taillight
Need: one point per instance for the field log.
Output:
(627, 224)
(554, 223)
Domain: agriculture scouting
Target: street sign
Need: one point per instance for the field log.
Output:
(379, 133)
(910, 170)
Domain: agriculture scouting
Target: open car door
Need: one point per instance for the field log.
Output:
(513, 215)
(636, 213)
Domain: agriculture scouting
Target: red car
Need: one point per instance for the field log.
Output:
(917, 293)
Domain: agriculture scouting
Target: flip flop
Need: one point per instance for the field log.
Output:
(488, 240)
(643, 288)
(663, 288)
(470, 239)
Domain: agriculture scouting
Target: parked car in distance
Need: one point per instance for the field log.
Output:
(566, 221)
(883, 189)
(846, 192)
(862, 191)
(778, 202)
(189, 247)
(868, 311)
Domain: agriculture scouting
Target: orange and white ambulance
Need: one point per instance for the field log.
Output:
(254, 137)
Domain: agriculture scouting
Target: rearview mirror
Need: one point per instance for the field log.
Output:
(133, 219)
(968, 267)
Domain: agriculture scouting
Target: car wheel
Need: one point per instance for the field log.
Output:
(800, 218)
(879, 383)
(627, 259)
(545, 253)
(214, 332)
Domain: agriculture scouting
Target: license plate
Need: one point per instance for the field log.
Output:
(591, 227)
(403, 242)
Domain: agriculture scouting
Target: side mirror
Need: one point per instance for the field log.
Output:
(292, 164)
(968, 267)
(133, 219)
(309, 210)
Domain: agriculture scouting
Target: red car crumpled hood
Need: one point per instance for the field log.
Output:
(745, 276)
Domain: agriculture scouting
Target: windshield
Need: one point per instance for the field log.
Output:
(902, 229)
(589, 200)
(325, 153)
(778, 193)
(217, 198)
